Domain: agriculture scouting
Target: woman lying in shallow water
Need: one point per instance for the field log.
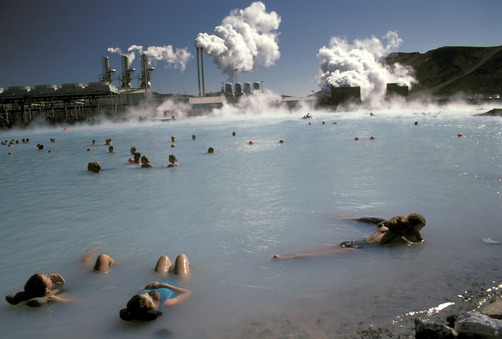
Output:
(146, 304)
(38, 290)
(398, 230)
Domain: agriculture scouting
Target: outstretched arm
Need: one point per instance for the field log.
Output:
(367, 220)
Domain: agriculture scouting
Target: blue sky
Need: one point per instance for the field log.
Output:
(56, 42)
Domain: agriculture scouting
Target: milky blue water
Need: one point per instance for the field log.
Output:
(230, 211)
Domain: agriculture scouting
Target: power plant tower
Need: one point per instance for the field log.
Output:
(146, 69)
(106, 76)
(200, 65)
(126, 72)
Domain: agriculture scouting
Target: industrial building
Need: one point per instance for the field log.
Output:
(345, 95)
(75, 102)
(69, 102)
(394, 89)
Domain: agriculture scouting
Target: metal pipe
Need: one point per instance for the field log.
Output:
(202, 64)
(198, 69)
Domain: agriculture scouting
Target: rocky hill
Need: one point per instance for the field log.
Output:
(446, 71)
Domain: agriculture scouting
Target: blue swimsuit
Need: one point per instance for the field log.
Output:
(165, 293)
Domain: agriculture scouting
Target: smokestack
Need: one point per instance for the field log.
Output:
(145, 72)
(198, 69)
(202, 66)
(107, 71)
(126, 72)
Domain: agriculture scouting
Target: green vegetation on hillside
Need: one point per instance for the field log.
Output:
(448, 71)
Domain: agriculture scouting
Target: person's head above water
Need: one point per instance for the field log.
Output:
(405, 225)
(37, 285)
(140, 307)
(416, 220)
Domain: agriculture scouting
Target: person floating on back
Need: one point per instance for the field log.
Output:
(398, 230)
(147, 303)
(39, 289)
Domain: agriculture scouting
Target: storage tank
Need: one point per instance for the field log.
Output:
(228, 88)
(256, 86)
(238, 89)
(247, 88)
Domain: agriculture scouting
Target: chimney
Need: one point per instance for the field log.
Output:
(146, 69)
(198, 69)
(202, 66)
(126, 72)
(107, 71)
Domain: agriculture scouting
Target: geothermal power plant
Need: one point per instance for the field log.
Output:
(72, 102)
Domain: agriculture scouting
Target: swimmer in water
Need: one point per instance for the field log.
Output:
(39, 289)
(398, 230)
(146, 304)
(137, 157)
(145, 162)
(172, 160)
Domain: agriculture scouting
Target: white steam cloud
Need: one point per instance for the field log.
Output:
(362, 63)
(246, 39)
(131, 56)
(176, 58)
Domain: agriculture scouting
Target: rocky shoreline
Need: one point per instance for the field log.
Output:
(478, 314)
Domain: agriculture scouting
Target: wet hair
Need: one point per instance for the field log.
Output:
(36, 291)
(399, 225)
(35, 287)
(139, 308)
(416, 219)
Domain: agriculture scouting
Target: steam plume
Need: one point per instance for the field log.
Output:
(118, 51)
(362, 64)
(176, 58)
(245, 39)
